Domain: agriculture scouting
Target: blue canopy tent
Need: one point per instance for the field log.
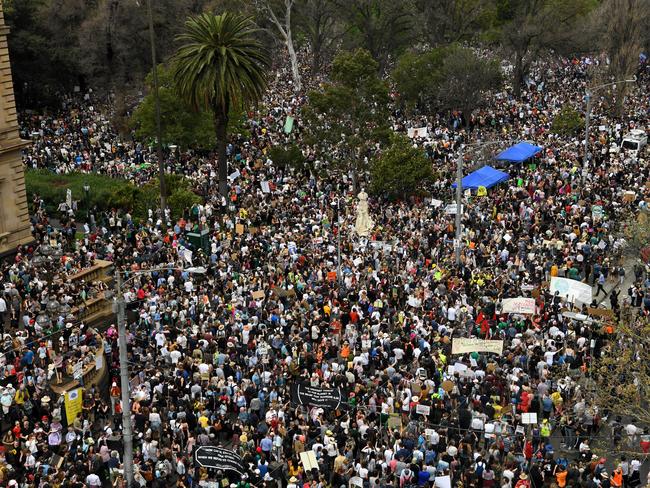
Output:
(518, 153)
(485, 176)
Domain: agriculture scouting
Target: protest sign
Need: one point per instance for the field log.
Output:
(520, 305)
(313, 396)
(258, 295)
(572, 290)
(461, 345)
(418, 132)
(218, 458)
(308, 460)
(423, 409)
(529, 418)
(442, 481)
(288, 124)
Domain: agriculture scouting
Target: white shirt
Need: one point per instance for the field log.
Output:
(93, 480)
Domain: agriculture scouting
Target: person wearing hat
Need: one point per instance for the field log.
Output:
(523, 481)
(293, 482)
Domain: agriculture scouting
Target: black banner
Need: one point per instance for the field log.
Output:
(218, 458)
(313, 396)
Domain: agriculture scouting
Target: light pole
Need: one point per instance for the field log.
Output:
(459, 192)
(338, 241)
(87, 195)
(127, 428)
(588, 93)
(156, 95)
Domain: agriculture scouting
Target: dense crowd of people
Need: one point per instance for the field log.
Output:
(216, 357)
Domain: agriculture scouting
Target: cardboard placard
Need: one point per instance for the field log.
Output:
(258, 295)
(308, 460)
(447, 385)
(606, 314)
(423, 409)
(239, 229)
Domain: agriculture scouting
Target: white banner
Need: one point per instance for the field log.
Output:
(521, 305)
(572, 290)
(418, 132)
(461, 345)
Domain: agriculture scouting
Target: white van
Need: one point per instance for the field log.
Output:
(635, 141)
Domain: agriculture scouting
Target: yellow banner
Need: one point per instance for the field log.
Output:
(73, 404)
(482, 191)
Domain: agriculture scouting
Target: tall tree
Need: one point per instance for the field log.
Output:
(417, 77)
(180, 123)
(382, 27)
(627, 20)
(279, 13)
(319, 21)
(221, 64)
(350, 113)
(449, 21)
(467, 79)
(43, 47)
(530, 26)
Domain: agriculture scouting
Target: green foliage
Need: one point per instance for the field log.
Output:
(179, 123)
(467, 80)
(221, 62)
(402, 170)
(568, 122)
(107, 193)
(221, 65)
(417, 76)
(287, 157)
(382, 27)
(351, 112)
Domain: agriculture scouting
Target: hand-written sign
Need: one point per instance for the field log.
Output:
(313, 396)
(218, 458)
(519, 305)
(461, 345)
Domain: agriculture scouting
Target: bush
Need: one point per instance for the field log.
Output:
(402, 170)
(287, 157)
(107, 193)
(568, 122)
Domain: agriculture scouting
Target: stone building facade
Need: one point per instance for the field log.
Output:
(14, 212)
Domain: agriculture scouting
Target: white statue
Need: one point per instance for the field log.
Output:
(364, 223)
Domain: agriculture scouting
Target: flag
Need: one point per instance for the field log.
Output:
(73, 404)
(482, 191)
(288, 124)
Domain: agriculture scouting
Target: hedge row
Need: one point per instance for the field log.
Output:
(107, 193)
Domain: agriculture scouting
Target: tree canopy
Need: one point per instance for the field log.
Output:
(401, 170)
(220, 65)
(351, 112)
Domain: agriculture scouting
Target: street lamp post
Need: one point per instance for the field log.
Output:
(459, 193)
(127, 427)
(87, 196)
(588, 94)
(156, 94)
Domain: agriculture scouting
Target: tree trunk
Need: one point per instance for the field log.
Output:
(295, 69)
(315, 59)
(220, 124)
(518, 73)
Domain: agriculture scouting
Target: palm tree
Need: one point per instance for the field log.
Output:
(220, 65)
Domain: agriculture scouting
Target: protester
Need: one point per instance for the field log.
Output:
(215, 358)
